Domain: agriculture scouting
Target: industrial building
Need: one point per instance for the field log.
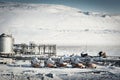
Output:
(37, 49)
(6, 44)
(8, 48)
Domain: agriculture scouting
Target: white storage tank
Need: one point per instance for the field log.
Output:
(6, 44)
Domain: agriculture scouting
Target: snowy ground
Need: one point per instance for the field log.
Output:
(20, 73)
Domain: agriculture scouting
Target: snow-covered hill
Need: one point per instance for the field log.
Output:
(62, 25)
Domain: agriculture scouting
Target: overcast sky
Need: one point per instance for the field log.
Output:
(107, 6)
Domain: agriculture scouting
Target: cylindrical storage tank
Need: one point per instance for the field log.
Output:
(6, 44)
